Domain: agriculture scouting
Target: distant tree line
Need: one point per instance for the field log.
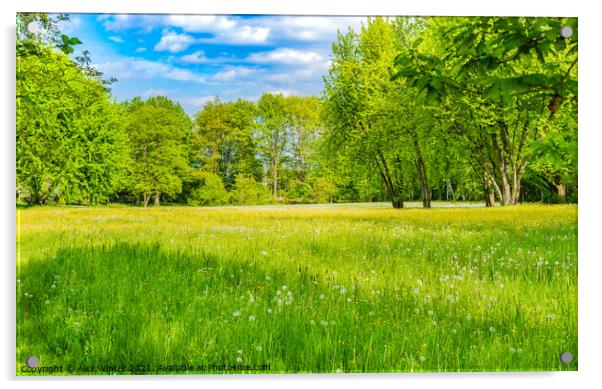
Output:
(479, 109)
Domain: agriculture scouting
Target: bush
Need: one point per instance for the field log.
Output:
(247, 191)
(324, 189)
(210, 192)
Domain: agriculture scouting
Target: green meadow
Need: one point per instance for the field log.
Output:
(341, 288)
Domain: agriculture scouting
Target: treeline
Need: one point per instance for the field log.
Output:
(480, 109)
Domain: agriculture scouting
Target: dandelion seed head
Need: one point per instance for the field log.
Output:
(251, 318)
(236, 314)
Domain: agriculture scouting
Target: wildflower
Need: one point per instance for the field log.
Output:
(416, 291)
(284, 287)
(236, 314)
(238, 359)
(323, 323)
(289, 294)
(278, 293)
(239, 351)
(502, 286)
(343, 290)
(454, 331)
(431, 313)
(422, 358)
(251, 299)
(47, 302)
(251, 318)
(264, 253)
(492, 329)
(370, 313)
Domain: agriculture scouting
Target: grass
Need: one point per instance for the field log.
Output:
(303, 289)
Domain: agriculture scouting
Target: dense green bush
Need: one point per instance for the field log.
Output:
(247, 191)
(210, 192)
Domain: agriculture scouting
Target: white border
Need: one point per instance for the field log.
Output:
(590, 255)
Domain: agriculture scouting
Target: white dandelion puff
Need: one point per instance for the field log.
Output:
(236, 314)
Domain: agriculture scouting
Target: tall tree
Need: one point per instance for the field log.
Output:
(158, 129)
(272, 133)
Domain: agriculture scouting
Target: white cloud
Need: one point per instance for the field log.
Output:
(133, 68)
(116, 39)
(123, 22)
(284, 92)
(197, 102)
(313, 28)
(173, 42)
(196, 57)
(225, 29)
(140, 49)
(286, 56)
(232, 74)
(201, 23)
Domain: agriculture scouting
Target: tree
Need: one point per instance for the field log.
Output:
(222, 140)
(158, 129)
(70, 142)
(501, 83)
(357, 106)
(272, 133)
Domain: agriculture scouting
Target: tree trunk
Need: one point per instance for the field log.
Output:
(274, 179)
(146, 199)
(561, 189)
(157, 200)
(425, 193)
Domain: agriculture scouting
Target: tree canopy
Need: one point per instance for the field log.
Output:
(439, 108)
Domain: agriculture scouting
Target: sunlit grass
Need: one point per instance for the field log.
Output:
(303, 289)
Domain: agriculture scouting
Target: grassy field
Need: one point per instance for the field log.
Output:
(303, 289)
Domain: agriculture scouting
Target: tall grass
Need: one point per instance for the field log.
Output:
(349, 289)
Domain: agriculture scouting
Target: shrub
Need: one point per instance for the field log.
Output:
(247, 191)
(210, 192)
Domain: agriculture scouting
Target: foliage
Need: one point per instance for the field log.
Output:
(247, 191)
(70, 144)
(158, 130)
(211, 191)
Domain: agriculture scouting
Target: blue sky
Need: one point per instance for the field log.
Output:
(192, 58)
